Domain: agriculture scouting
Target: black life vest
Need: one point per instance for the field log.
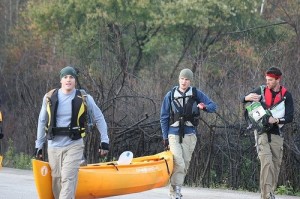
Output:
(184, 106)
(76, 129)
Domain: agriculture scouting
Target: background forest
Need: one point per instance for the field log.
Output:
(129, 54)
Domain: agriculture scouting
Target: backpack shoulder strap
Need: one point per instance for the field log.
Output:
(84, 96)
(172, 98)
(262, 92)
(194, 93)
(194, 90)
(49, 94)
(89, 115)
(172, 93)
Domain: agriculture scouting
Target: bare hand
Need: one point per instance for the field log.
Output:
(253, 97)
(103, 152)
(273, 120)
(201, 106)
(40, 157)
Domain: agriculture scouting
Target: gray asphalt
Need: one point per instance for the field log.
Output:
(19, 184)
(16, 184)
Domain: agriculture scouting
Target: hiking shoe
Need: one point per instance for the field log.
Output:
(271, 196)
(175, 192)
(175, 195)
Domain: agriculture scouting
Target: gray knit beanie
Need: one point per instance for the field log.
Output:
(68, 70)
(186, 73)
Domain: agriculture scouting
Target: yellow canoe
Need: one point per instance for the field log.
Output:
(104, 179)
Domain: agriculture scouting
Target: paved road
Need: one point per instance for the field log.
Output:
(16, 184)
(19, 184)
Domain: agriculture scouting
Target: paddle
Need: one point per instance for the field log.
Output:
(125, 158)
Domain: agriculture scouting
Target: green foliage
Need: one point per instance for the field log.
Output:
(284, 190)
(8, 159)
(246, 172)
(23, 161)
(297, 194)
(14, 160)
(85, 28)
(227, 42)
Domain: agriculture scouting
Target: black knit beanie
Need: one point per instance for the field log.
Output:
(68, 70)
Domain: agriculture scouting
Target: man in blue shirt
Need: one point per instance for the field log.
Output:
(179, 119)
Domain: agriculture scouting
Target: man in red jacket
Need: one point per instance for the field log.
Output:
(278, 100)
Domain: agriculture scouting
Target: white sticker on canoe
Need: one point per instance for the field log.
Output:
(44, 171)
(147, 169)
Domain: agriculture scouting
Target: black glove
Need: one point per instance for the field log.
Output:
(166, 144)
(38, 154)
(103, 149)
(1, 136)
(104, 146)
(265, 120)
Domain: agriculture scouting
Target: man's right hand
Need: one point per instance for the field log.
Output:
(253, 97)
(103, 149)
(38, 154)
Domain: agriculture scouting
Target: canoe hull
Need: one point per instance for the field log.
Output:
(103, 180)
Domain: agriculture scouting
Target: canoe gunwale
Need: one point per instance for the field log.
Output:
(134, 163)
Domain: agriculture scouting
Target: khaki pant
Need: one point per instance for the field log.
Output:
(182, 154)
(64, 163)
(270, 156)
